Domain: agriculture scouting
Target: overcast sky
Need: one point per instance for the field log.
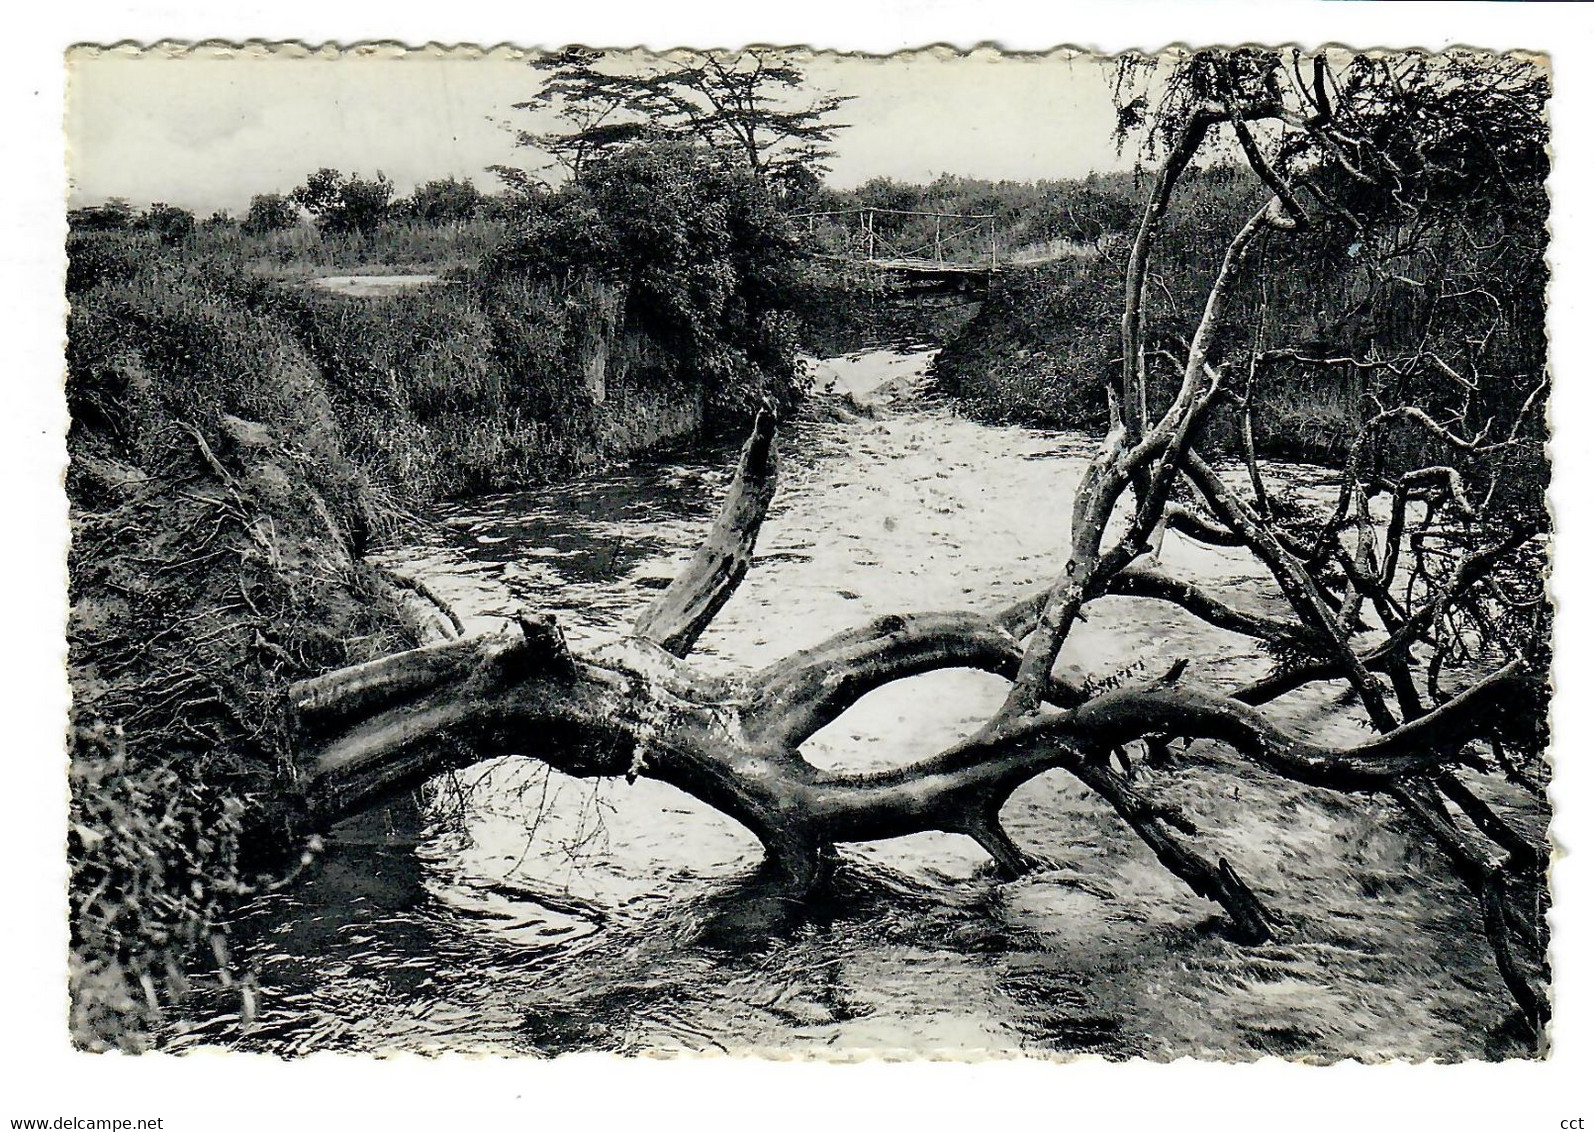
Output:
(207, 130)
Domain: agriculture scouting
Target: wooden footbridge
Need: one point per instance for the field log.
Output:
(917, 253)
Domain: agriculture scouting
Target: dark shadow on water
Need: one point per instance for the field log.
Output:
(863, 900)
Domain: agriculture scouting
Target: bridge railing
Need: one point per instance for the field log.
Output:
(884, 236)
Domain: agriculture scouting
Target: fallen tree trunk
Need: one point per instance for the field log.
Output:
(1383, 615)
(634, 708)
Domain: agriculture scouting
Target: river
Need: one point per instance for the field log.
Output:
(513, 911)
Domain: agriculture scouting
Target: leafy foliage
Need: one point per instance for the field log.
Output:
(342, 203)
(114, 215)
(701, 254)
(444, 201)
(738, 105)
(270, 212)
(171, 224)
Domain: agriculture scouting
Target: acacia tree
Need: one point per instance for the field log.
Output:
(737, 104)
(1428, 612)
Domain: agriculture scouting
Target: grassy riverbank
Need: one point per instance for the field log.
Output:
(241, 437)
(1403, 309)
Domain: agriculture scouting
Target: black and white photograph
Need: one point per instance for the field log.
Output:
(771, 551)
(886, 565)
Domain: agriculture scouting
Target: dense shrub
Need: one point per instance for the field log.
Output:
(154, 854)
(269, 212)
(426, 407)
(114, 215)
(445, 201)
(1040, 348)
(345, 203)
(217, 525)
(94, 257)
(170, 224)
(703, 258)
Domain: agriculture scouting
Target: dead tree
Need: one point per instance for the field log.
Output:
(1379, 605)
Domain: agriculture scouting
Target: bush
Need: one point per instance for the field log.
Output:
(115, 215)
(704, 259)
(98, 257)
(153, 857)
(170, 224)
(1041, 349)
(269, 212)
(345, 204)
(445, 201)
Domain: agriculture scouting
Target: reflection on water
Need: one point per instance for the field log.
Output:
(511, 910)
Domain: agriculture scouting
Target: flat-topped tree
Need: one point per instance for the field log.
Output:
(1428, 610)
(748, 106)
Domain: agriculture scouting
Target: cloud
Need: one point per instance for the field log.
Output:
(207, 131)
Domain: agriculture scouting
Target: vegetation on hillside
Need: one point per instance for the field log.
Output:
(1415, 587)
(1372, 306)
(217, 527)
(239, 439)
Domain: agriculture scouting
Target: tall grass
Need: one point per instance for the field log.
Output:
(240, 437)
(395, 246)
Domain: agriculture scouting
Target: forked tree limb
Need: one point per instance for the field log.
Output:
(1144, 579)
(795, 697)
(1141, 579)
(1151, 462)
(1390, 655)
(1132, 383)
(636, 709)
(370, 732)
(679, 615)
(1297, 583)
(1198, 527)
(1120, 716)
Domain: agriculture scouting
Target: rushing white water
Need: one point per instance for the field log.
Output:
(514, 910)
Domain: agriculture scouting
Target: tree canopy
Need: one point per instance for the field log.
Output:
(342, 203)
(747, 106)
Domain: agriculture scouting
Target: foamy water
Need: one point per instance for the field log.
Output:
(512, 910)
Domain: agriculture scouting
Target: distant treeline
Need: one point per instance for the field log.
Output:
(1027, 216)
(333, 201)
(339, 219)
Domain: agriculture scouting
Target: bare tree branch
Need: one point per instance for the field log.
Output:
(679, 615)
